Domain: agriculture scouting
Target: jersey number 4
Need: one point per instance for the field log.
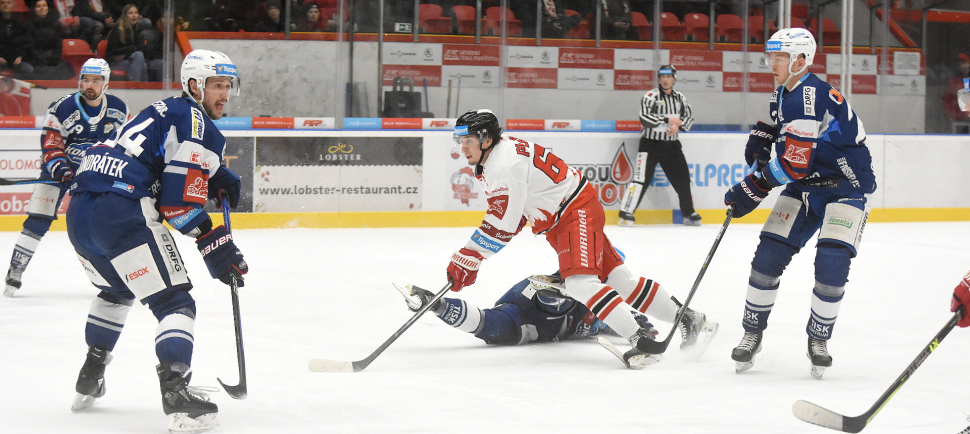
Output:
(132, 138)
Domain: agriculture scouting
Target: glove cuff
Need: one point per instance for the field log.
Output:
(467, 258)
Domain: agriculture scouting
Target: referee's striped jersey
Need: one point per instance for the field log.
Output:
(656, 107)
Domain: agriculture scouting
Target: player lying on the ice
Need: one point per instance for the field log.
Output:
(534, 310)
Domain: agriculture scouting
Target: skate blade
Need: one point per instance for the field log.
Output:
(625, 223)
(82, 401)
(740, 367)
(707, 332)
(641, 361)
(9, 290)
(413, 302)
(818, 371)
(181, 423)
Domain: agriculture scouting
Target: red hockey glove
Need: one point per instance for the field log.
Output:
(463, 268)
(961, 297)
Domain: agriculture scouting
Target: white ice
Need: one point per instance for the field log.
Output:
(315, 293)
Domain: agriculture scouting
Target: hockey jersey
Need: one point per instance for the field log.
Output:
(70, 126)
(821, 142)
(524, 181)
(167, 152)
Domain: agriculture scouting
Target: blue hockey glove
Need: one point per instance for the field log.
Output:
(760, 142)
(221, 256)
(745, 196)
(225, 179)
(60, 169)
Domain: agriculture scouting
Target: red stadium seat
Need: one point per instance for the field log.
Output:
(797, 23)
(493, 21)
(431, 19)
(19, 6)
(581, 30)
(729, 28)
(115, 74)
(698, 26)
(644, 28)
(756, 26)
(831, 35)
(76, 52)
(465, 16)
(672, 29)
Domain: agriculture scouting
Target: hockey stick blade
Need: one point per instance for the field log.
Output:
(613, 349)
(659, 347)
(813, 414)
(323, 365)
(238, 391)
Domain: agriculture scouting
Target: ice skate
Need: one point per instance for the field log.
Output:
(638, 357)
(188, 408)
(626, 219)
(90, 381)
(744, 353)
(416, 297)
(818, 353)
(692, 220)
(548, 286)
(12, 281)
(696, 332)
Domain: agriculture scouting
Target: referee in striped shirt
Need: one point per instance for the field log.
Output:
(663, 113)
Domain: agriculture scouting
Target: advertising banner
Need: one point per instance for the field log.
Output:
(338, 174)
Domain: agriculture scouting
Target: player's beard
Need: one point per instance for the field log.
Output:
(87, 95)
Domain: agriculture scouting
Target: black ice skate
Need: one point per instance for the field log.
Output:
(638, 357)
(695, 327)
(818, 353)
(188, 408)
(416, 297)
(693, 220)
(744, 353)
(12, 281)
(626, 219)
(90, 381)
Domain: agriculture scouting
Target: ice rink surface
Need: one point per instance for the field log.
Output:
(326, 293)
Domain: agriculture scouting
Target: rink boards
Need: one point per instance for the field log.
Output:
(415, 178)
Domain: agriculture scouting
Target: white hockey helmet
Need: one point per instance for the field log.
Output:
(794, 42)
(202, 64)
(95, 66)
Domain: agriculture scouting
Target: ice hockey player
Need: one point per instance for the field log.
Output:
(70, 126)
(821, 159)
(526, 183)
(164, 164)
(535, 310)
(961, 297)
(664, 112)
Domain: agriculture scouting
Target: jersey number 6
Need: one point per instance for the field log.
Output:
(553, 166)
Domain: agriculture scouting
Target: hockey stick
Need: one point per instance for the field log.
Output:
(655, 347)
(4, 181)
(238, 391)
(323, 365)
(814, 414)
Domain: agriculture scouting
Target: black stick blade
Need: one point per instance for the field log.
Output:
(237, 392)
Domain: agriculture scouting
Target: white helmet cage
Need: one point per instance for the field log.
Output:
(95, 66)
(794, 42)
(202, 64)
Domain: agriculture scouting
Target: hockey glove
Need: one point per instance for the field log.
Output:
(463, 269)
(745, 196)
(225, 179)
(221, 256)
(961, 297)
(60, 169)
(760, 141)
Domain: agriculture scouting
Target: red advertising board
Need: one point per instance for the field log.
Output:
(586, 58)
(532, 78)
(273, 123)
(861, 84)
(633, 80)
(628, 125)
(757, 82)
(525, 124)
(417, 73)
(691, 60)
(401, 123)
(18, 121)
(470, 55)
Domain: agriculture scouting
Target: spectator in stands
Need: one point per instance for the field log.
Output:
(13, 43)
(274, 21)
(46, 39)
(950, 105)
(76, 26)
(150, 10)
(92, 10)
(555, 22)
(126, 45)
(617, 22)
(311, 20)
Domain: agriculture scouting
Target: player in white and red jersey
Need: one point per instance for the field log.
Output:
(525, 182)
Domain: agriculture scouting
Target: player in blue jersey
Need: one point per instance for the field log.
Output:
(535, 310)
(71, 124)
(821, 159)
(162, 165)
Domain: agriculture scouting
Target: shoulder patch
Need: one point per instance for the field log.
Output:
(56, 104)
(808, 96)
(117, 114)
(836, 96)
(774, 96)
(198, 124)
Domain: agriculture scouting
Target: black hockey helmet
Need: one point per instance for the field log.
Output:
(481, 123)
(667, 70)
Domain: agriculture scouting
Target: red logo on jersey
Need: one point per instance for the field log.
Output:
(196, 187)
(497, 205)
(196, 158)
(137, 274)
(797, 152)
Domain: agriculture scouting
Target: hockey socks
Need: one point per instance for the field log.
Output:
(105, 321)
(174, 338)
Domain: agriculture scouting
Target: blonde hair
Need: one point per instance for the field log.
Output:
(123, 25)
